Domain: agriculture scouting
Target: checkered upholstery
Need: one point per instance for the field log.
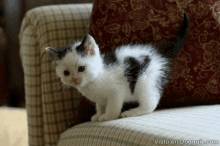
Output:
(51, 108)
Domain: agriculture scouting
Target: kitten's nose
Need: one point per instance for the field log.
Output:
(74, 80)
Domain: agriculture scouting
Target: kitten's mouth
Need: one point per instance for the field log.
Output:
(76, 81)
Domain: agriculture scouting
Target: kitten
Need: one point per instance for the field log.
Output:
(130, 73)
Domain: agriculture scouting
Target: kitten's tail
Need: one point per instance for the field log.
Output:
(174, 46)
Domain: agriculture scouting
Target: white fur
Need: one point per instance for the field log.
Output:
(108, 87)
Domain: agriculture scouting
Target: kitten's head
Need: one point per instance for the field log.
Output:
(79, 63)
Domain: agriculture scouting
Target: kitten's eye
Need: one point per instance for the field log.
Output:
(81, 68)
(66, 72)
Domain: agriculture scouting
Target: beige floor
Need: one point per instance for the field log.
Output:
(13, 127)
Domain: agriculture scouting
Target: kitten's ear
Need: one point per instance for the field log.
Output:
(88, 46)
(55, 54)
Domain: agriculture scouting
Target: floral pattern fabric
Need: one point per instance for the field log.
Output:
(196, 70)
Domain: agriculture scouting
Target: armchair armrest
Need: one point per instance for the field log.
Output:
(50, 109)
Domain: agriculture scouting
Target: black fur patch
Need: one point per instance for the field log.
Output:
(110, 59)
(80, 50)
(134, 69)
(59, 53)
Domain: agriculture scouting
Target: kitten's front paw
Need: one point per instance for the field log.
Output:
(106, 117)
(95, 118)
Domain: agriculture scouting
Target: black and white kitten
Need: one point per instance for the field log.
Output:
(131, 73)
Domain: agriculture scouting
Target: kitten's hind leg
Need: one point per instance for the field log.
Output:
(148, 96)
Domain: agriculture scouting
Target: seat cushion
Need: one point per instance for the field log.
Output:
(178, 126)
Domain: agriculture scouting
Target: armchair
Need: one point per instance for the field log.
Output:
(51, 109)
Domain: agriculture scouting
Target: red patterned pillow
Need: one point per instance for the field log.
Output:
(196, 73)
